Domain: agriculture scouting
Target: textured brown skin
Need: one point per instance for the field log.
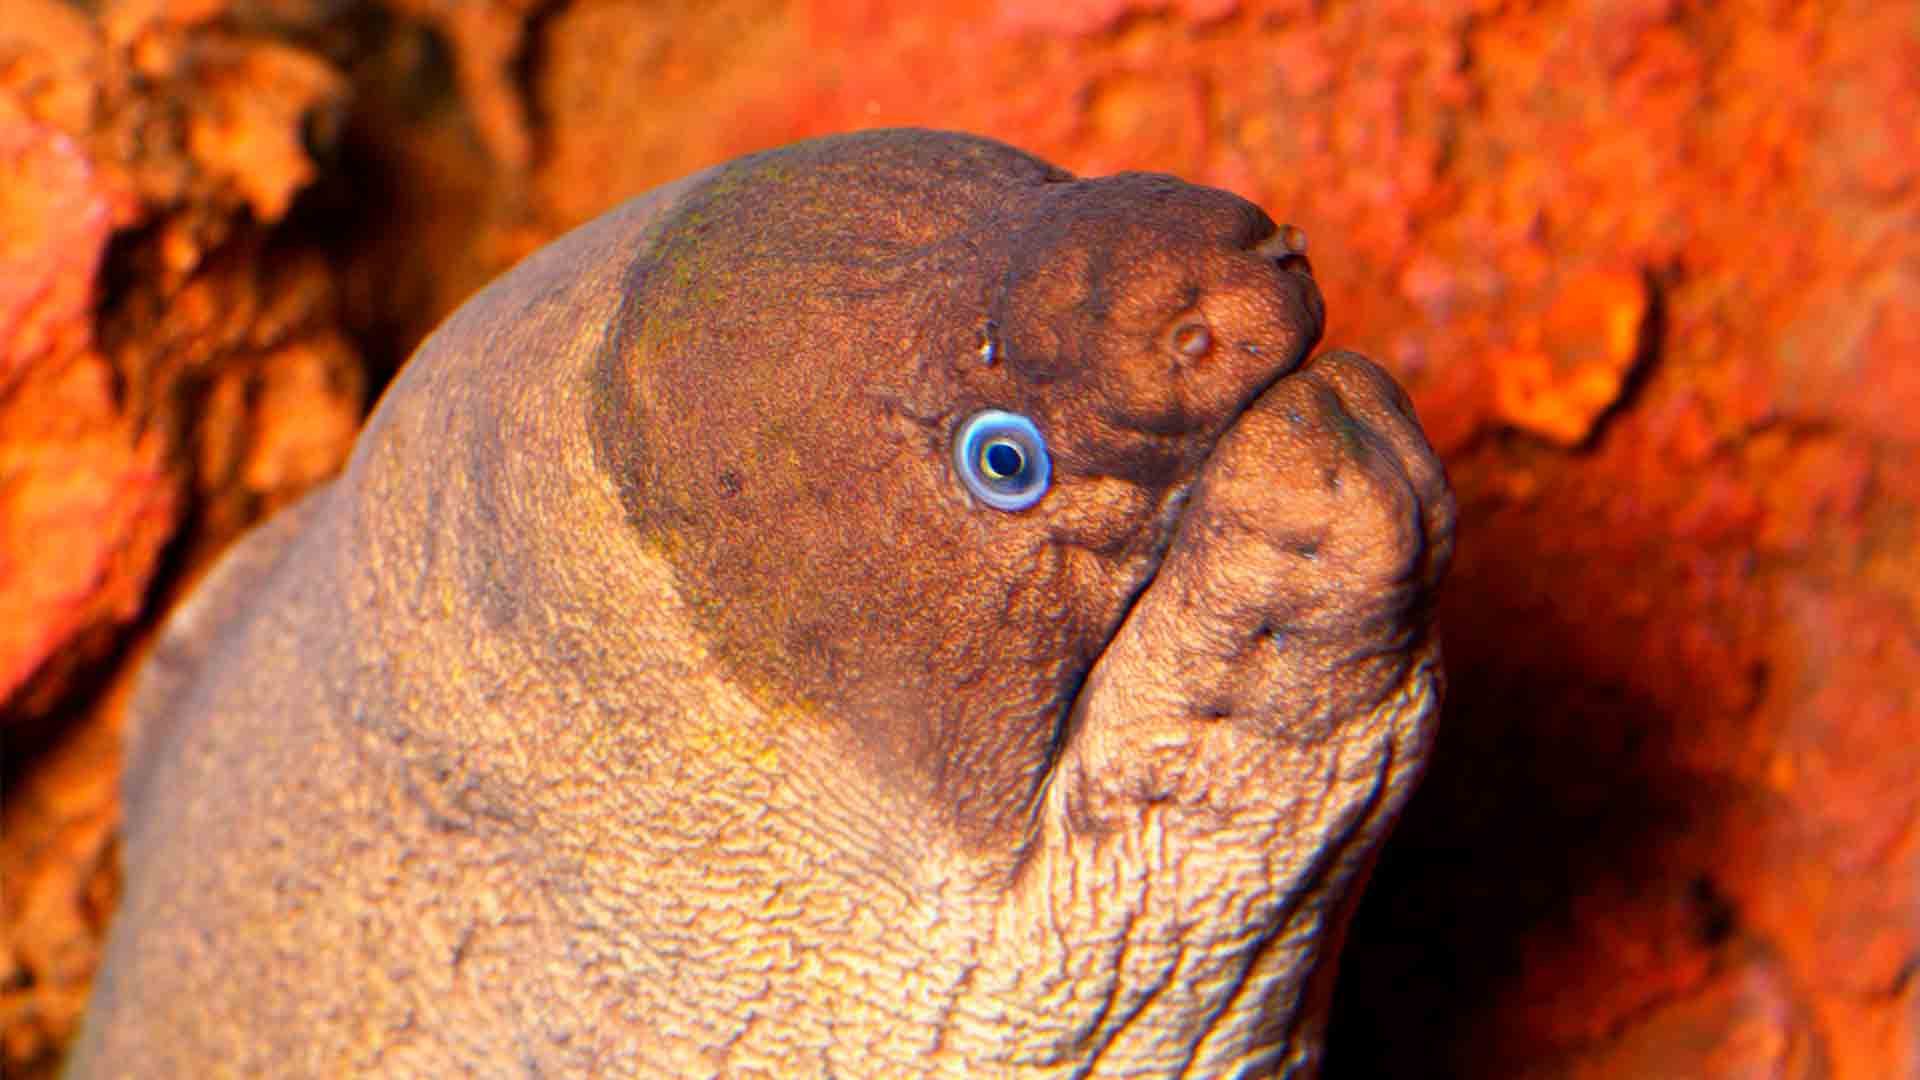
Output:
(649, 696)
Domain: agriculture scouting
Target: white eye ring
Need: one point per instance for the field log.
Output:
(1002, 459)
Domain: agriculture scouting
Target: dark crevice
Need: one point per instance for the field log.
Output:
(528, 66)
(1649, 348)
(1716, 917)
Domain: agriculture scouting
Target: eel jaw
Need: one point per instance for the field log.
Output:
(1241, 745)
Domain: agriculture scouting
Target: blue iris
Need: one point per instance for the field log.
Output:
(1002, 459)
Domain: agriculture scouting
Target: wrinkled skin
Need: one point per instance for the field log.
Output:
(650, 696)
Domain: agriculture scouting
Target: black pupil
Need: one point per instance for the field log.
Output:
(1004, 460)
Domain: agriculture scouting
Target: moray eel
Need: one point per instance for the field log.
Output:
(879, 607)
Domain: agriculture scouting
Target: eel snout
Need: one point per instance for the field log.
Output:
(1253, 729)
(1308, 555)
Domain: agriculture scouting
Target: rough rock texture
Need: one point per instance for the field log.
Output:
(1651, 270)
(171, 367)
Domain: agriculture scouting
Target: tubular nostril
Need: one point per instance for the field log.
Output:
(1287, 247)
(1286, 240)
(1294, 238)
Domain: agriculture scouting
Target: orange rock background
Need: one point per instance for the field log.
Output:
(1651, 270)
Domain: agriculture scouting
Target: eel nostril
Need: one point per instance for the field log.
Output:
(1286, 249)
(1286, 240)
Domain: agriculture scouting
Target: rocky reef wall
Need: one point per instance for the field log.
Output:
(1650, 269)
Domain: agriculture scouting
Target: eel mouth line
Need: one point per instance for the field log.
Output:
(1286, 248)
(1170, 520)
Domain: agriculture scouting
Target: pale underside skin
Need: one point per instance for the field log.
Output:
(342, 861)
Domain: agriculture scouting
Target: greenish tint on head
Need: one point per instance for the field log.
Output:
(794, 358)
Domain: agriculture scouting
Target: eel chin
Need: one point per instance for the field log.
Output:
(1250, 734)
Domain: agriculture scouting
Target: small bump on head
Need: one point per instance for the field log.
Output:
(1192, 340)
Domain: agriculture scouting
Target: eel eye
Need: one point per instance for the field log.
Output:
(1002, 459)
